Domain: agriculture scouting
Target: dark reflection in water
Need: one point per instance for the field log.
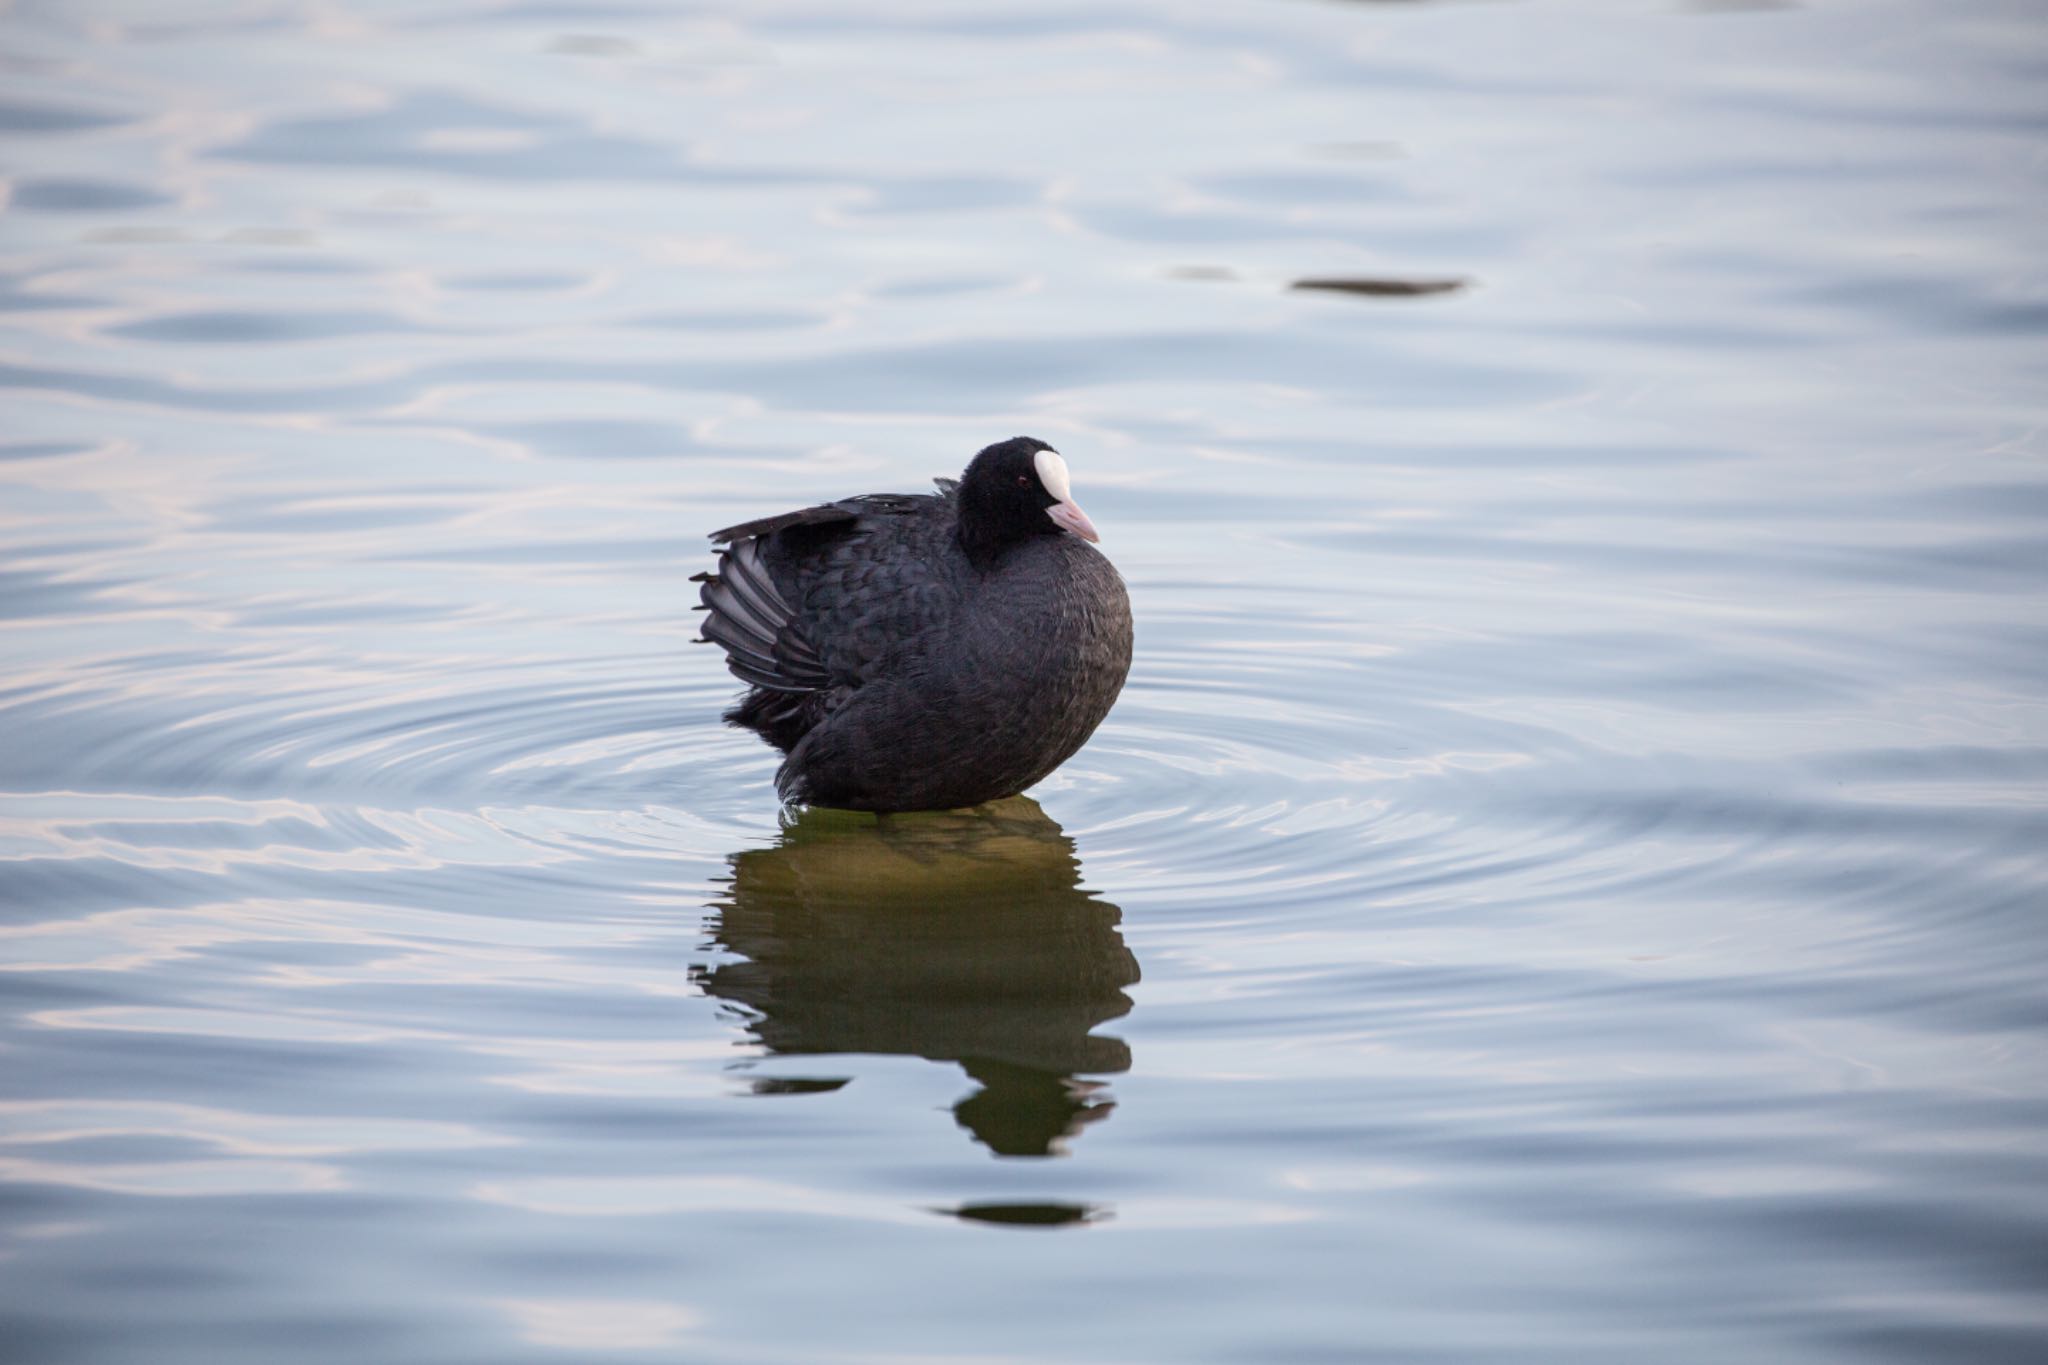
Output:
(961, 936)
(1381, 288)
(1045, 1215)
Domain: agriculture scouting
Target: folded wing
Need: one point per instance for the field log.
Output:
(784, 647)
(746, 615)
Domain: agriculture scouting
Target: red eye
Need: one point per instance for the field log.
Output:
(1023, 481)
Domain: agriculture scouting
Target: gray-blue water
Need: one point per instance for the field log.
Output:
(1565, 882)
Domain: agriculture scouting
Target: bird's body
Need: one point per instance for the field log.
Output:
(923, 652)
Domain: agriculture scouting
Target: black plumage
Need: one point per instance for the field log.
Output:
(923, 651)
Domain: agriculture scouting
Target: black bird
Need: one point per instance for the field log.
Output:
(921, 651)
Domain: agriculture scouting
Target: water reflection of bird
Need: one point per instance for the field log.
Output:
(961, 936)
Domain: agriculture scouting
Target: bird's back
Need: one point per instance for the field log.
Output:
(871, 590)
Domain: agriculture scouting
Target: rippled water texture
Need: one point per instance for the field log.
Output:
(1565, 882)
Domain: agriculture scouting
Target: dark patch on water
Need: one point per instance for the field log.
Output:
(20, 116)
(1381, 287)
(77, 195)
(1031, 1215)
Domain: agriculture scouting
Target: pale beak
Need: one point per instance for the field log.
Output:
(1069, 517)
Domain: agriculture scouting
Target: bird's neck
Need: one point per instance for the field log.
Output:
(983, 548)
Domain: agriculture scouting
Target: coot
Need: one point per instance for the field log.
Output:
(923, 651)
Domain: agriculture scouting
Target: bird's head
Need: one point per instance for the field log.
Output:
(1014, 490)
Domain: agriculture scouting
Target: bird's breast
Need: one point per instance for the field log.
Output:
(1056, 626)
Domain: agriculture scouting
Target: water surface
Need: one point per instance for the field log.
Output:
(1564, 882)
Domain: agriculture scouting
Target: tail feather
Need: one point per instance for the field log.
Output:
(762, 637)
(781, 718)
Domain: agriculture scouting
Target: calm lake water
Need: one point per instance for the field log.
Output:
(1565, 882)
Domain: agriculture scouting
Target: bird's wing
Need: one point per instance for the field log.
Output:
(767, 526)
(768, 641)
(826, 514)
(747, 616)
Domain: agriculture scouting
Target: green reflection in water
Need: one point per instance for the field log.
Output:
(962, 936)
